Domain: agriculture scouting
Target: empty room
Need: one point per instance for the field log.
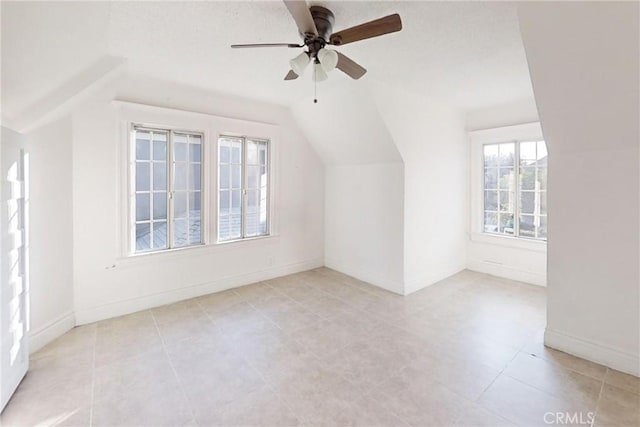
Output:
(320, 213)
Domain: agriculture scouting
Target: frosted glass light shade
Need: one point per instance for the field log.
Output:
(319, 73)
(328, 59)
(299, 63)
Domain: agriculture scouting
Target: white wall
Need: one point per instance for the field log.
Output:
(364, 222)
(432, 141)
(107, 284)
(51, 232)
(583, 59)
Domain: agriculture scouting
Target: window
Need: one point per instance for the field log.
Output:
(167, 181)
(515, 189)
(243, 188)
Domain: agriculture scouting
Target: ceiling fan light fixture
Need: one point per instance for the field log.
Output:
(319, 74)
(328, 59)
(299, 63)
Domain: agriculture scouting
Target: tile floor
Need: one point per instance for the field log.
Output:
(322, 348)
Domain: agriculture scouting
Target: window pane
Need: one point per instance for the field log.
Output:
(236, 227)
(160, 150)
(194, 231)
(527, 226)
(236, 171)
(223, 179)
(528, 202)
(143, 207)
(224, 202)
(506, 178)
(236, 152)
(528, 154)
(542, 178)
(491, 222)
(491, 200)
(142, 145)
(143, 177)
(236, 202)
(194, 176)
(159, 234)
(195, 148)
(262, 153)
(180, 232)
(253, 176)
(180, 176)
(491, 155)
(543, 202)
(506, 223)
(143, 240)
(491, 178)
(160, 206)
(528, 178)
(507, 201)
(180, 150)
(195, 203)
(180, 204)
(159, 176)
(507, 154)
(252, 153)
(225, 157)
(223, 227)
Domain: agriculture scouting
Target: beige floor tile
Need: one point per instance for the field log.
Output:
(621, 380)
(618, 408)
(555, 380)
(474, 415)
(419, 401)
(322, 348)
(525, 405)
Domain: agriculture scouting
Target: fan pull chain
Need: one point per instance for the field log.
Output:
(315, 86)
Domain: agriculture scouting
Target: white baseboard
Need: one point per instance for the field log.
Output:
(119, 308)
(49, 332)
(594, 352)
(366, 276)
(507, 272)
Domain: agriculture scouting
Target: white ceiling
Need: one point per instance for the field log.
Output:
(468, 55)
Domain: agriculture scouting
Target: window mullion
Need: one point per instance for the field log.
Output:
(243, 191)
(516, 205)
(170, 194)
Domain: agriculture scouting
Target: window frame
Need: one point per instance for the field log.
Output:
(518, 190)
(243, 188)
(531, 131)
(212, 127)
(170, 131)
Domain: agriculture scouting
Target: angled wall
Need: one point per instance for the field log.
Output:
(364, 184)
(583, 60)
(432, 141)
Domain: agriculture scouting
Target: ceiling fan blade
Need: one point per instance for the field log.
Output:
(349, 67)
(243, 46)
(291, 75)
(300, 12)
(378, 27)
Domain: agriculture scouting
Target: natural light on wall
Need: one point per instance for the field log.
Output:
(515, 189)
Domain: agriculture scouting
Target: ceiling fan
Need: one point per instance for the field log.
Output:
(315, 25)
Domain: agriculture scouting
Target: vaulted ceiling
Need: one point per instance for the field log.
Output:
(467, 54)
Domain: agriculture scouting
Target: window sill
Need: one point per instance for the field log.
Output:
(510, 242)
(191, 251)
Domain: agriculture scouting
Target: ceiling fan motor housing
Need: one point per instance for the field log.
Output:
(324, 20)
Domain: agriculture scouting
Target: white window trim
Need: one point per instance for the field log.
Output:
(211, 127)
(527, 131)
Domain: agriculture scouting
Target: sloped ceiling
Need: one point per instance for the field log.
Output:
(467, 55)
